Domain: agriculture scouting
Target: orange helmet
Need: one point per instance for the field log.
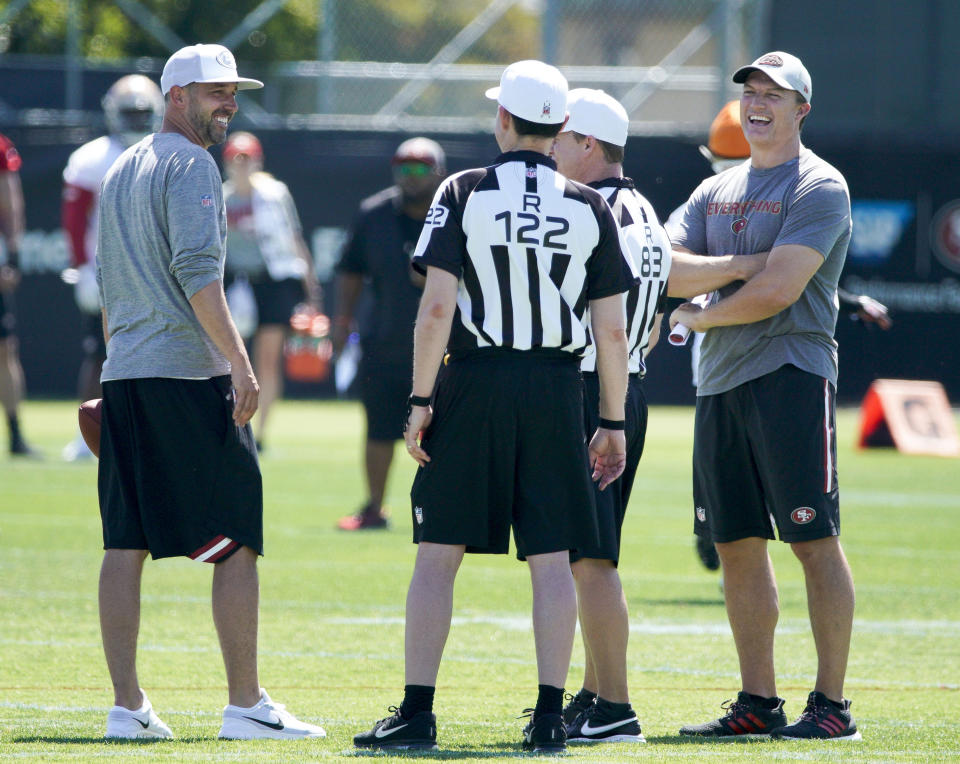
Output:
(726, 136)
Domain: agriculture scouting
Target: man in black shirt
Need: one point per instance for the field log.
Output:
(379, 251)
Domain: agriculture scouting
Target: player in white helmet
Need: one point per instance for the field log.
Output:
(133, 107)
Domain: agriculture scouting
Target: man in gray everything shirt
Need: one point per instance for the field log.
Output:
(765, 431)
(178, 468)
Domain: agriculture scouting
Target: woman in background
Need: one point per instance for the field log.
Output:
(265, 249)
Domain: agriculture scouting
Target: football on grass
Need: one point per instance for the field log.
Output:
(89, 416)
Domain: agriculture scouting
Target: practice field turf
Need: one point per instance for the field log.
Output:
(332, 605)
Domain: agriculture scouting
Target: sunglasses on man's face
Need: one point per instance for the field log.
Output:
(413, 169)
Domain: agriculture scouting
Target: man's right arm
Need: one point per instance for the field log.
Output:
(692, 274)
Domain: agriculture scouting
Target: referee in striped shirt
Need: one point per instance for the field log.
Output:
(514, 255)
(590, 149)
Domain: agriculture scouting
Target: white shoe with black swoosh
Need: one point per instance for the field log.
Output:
(142, 724)
(419, 732)
(592, 727)
(265, 720)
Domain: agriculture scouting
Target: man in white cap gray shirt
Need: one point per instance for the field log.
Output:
(178, 466)
(514, 254)
(590, 149)
(764, 461)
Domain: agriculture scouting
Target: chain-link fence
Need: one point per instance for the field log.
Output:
(667, 60)
(423, 65)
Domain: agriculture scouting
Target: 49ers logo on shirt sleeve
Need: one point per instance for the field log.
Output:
(803, 515)
(738, 225)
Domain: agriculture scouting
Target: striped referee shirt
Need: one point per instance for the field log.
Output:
(647, 243)
(530, 249)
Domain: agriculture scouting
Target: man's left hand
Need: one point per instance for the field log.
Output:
(690, 315)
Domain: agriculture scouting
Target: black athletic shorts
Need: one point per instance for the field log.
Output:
(276, 300)
(612, 501)
(507, 448)
(8, 320)
(764, 453)
(93, 343)
(384, 389)
(177, 476)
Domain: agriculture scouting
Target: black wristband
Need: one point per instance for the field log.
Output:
(413, 400)
(13, 258)
(612, 424)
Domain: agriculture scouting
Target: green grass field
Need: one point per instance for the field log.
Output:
(331, 631)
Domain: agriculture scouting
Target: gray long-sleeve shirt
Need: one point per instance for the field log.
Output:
(162, 238)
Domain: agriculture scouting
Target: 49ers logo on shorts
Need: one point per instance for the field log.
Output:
(738, 225)
(803, 515)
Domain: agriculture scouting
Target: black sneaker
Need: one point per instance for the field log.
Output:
(577, 705)
(20, 448)
(544, 733)
(707, 552)
(592, 726)
(744, 720)
(417, 733)
(821, 720)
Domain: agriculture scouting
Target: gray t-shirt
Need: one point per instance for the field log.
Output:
(163, 230)
(744, 211)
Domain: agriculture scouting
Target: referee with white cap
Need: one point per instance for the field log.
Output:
(590, 149)
(514, 255)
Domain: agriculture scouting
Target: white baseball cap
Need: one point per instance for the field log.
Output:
(593, 112)
(203, 63)
(534, 91)
(785, 69)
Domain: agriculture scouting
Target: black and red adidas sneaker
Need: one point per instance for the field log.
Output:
(745, 719)
(822, 719)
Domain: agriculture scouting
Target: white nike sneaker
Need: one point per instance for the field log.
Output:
(265, 720)
(142, 724)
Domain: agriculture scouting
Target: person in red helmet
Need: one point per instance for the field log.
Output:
(132, 107)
